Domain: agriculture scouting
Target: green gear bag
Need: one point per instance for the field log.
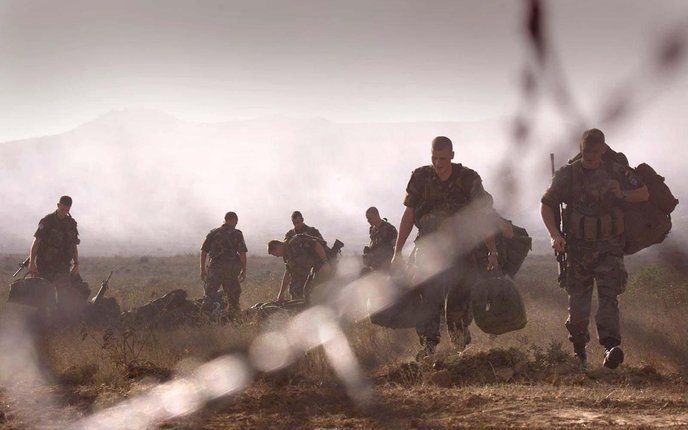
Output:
(517, 249)
(497, 306)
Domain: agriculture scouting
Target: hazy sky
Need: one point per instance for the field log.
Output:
(66, 62)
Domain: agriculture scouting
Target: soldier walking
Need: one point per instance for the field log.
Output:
(54, 255)
(435, 196)
(226, 248)
(593, 188)
(378, 254)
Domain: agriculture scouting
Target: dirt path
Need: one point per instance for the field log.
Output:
(512, 405)
(496, 406)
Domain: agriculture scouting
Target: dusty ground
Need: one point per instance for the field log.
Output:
(523, 379)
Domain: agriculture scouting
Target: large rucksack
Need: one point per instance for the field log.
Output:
(649, 222)
(517, 249)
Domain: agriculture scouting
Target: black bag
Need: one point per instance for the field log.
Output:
(644, 226)
(497, 306)
(517, 249)
(36, 292)
(648, 223)
(660, 194)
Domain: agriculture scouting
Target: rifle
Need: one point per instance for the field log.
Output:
(22, 265)
(559, 219)
(102, 290)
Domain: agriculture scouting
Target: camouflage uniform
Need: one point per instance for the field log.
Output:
(593, 221)
(378, 255)
(223, 245)
(305, 229)
(58, 238)
(435, 202)
(300, 258)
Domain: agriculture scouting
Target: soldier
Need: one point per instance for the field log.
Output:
(54, 250)
(593, 189)
(303, 256)
(434, 197)
(301, 228)
(227, 269)
(378, 254)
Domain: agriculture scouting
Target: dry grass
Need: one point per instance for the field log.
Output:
(653, 318)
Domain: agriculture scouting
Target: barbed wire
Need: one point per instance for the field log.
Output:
(542, 77)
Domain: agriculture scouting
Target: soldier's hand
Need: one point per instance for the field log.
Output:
(397, 260)
(492, 262)
(75, 269)
(33, 269)
(558, 243)
(615, 188)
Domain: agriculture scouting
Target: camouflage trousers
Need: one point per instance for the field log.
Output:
(297, 284)
(447, 294)
(604, 267)
(227, 277)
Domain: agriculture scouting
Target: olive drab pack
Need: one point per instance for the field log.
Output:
(649, 223)
(497, 306)
(35, 292)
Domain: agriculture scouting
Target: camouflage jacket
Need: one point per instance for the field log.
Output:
(300, 255)
(305, 229)
(432, 198)
(381, 247)
(58, 237)
(223, 245)
(591, 207)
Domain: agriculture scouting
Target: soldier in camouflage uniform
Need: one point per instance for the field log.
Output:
(304, 256)
(593, 189)
(435, 197)
(54, 250)
(378, 254)
(300, 227)
(227, 269)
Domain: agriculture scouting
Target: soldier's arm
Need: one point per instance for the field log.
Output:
(405, 228)
(242, 258)
(204, 257)
(548, 218)
(320, 251)
(75, 259)
(32, 255)
(283, 287)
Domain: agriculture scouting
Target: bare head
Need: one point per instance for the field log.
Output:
(231, 219)
(276, 248)
(373, 216)
(297, 219)
(64, 205)
(592, 147)
(442, 155)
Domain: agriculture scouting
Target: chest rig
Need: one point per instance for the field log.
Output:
(441, 199)
(593, 213)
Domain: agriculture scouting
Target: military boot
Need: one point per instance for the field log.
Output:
(613, 357)
(427, 352)
(582, 356)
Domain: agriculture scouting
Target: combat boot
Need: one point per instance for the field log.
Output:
(613, 357)
(427, 352)
(582, 356)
